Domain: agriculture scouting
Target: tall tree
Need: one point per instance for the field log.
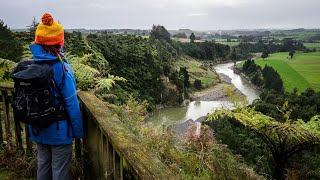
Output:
(291, 53)
(32, 28)
(192, 37)
(234, 55)
(160, 32)
(10, 47)
(265, 54)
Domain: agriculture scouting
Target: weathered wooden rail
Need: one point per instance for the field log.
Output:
(109, 149)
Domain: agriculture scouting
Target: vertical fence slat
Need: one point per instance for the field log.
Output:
(5, 105)
(105, 155)
(28, 141)
(110, 170)
(18, 134)
(17, 129)
(98, 154)
(78, 149)
(100, 151)
(78, 144)
(85, 142)
(1, 131)
(116, 165)
(121, 169)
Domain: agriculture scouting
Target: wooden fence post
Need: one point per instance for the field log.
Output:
(1, 131)
(18, 134)
(28, 141)
(5, 105)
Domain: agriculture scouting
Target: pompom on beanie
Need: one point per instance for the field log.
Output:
(49, 32)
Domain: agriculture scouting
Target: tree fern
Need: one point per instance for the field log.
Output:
(6, 68)
(107, 83)
(284, 139)
(89, 77)
(7, 65)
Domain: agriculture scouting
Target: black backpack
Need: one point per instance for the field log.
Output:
(34, 100)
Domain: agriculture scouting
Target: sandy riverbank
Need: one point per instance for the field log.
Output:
(215, 93)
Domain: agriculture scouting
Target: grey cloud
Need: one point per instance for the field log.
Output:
(174, 14)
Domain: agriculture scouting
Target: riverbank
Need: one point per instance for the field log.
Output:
(217, 92)
(203, 102)
(236, 70)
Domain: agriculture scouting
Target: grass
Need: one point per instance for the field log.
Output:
(197, 71)
(5, 174)
(301, 72)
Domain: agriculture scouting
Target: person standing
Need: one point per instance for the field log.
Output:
(54, 143)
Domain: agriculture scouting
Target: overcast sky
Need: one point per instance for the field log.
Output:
(173, 14)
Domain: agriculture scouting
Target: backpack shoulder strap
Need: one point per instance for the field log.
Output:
(51, 63)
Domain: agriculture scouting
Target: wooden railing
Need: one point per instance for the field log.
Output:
(109, 150)
(6, 119)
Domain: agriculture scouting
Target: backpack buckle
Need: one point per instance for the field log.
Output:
(46, 92)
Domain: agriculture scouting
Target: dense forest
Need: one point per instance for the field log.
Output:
(143, 62)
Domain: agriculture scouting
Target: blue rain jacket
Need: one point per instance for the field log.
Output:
(56, 134)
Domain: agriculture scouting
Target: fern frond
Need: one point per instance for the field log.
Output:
(105, 83)
(116, 78)
(84, 72)
(7, 65)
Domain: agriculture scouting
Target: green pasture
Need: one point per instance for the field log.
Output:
(301, 72)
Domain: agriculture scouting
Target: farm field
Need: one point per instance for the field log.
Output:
(301, 72)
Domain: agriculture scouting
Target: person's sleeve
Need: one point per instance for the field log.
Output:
(69, 93)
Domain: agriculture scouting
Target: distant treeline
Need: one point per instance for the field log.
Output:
(216, 51)
(204, 50)
(285, 45)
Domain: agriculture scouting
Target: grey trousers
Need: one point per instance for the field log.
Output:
(54, 162)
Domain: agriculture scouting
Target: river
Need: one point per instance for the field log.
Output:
(197, 109)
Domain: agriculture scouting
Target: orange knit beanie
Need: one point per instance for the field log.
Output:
(49, 32)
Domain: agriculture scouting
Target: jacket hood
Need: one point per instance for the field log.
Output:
(39, 54)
